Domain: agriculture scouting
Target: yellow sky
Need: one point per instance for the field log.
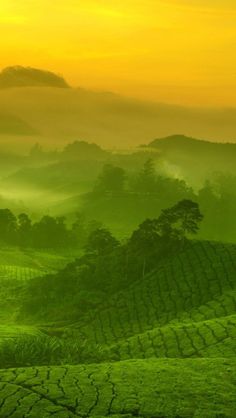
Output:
(181, 51)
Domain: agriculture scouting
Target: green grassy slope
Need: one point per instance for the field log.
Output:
(150, 388)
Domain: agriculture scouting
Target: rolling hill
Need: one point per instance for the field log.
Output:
(184, 154)
(140, 388)
(164, 346)
(181, 310)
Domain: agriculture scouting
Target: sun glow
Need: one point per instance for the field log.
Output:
(166, 50)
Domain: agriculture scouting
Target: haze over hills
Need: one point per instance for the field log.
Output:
(60, 115)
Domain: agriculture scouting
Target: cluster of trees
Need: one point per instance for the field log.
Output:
(52, 232)
(20, 230)
(109, 265)
(115, 179)
(48, 232)
(154, 237)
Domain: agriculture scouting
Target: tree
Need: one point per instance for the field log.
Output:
(8, 226)
(111, 179)
(101, 242)
(146, 180)
(24, 230)
(145, 240)
(50, 232)
(180, 220)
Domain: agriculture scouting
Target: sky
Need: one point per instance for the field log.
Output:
(173, 51)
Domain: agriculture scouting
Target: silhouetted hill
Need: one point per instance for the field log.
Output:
(81, 150)
(18, 76)
(195, 159)
(175, 142)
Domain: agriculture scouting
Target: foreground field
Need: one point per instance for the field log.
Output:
(142, 388)
(164, 347)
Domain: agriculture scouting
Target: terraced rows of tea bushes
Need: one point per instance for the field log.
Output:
(214, 338)
(17, 267)
(185, 307)
(163, 348)
(142, 388)
(202, 276)
(19, 273)
(36, 260)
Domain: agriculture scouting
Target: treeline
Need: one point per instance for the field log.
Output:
(109, 265)
(127, 198)
(148, 180)
(47, 232)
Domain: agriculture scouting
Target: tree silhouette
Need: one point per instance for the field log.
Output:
(50, 232)
(24, 230)
(8, 226)
(144, 240)
(180, 220)
(146, 180)
(111, 179)
(101, 242)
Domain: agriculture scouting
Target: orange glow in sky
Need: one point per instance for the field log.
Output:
(176, 51)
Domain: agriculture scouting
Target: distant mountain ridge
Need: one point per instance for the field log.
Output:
(60, 114)
(183, 140)
(18, 76)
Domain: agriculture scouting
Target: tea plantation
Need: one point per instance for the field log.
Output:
(163, 347)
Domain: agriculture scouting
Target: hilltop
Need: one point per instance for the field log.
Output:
(195, 159)
(19, 76)
(180, 142)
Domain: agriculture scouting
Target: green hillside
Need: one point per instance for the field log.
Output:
(151, 388)
(17, 267)
(164, 346)
(186, 295)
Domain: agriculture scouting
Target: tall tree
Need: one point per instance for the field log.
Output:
(180, 220)
(24, 230)
(101, 242)
(8, 226)
(112, 179)
(50, 232)
(146, 180)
